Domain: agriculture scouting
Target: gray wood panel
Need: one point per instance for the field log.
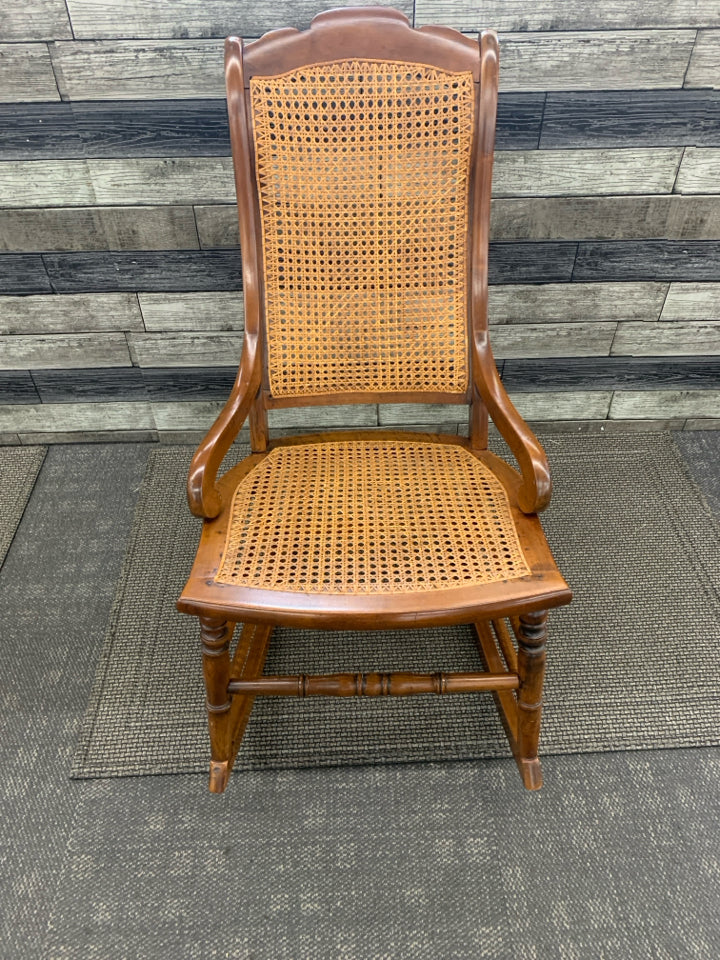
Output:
(468, 15)
(606, 218)
(169, 69)
(692, 301)
(708, 424)
(704, 69)
(194, 415)
(565, 405)
(191, 349)
(53, 418)
(192, 311)
(98, 228)
(26, 73)
(553, 339)
(699, 170)
(554, 302)
(677, 339)
(190, 18)
(585, 60)
(72, 313)
(663, 404)
(43, 183)
(139, 69)
(425, 414)
(35, 20)
(533, 173)
(60, 351)
(217, 225)
(146, 180)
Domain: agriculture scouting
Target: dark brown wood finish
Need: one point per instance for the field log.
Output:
(513, 676)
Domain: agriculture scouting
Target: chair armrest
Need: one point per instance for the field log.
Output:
(203, 495)
(536, 488)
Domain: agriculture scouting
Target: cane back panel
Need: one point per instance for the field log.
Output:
(362, 170)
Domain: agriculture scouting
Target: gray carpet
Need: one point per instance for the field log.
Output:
(630, 666)
(617, 858)
(19, 467)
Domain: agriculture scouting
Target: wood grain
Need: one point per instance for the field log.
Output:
(527, 262)
(35, 20)
(553, 339)
(198, 415)
(554, 302)
(699, 171)
(35, 131)
(23, 273)
(189, 383)
(692, 301)
(16, 386)
(606, 218)
(167, 270)
(566, 172)
(73, 313)
(138, 69)
(562, 405)
(185, 349)
(192, 311)
(425, 414)
(704, 69)
(607, 118)
(217, 225)
(662, 404)
(64, 351)
(96, 385)
(188, 18)
(98, 228)
(633, 59)
(467, 16)
(677, 339)
(54, 418)
(648, 260)
(610, 373)
(197, 180)
(26, 73)
(33, 183)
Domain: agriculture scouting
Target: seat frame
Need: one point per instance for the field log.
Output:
(502, 612)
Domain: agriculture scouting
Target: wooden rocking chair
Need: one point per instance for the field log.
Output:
(363, 155)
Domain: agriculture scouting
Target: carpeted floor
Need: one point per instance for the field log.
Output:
(639, 548)
(19, 467)
(617, 857)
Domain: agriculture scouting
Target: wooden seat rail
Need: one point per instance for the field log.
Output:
(373, 684)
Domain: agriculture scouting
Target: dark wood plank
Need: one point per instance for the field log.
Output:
(152, 128)
(34, 131)
(188, 383)
(23, 273)
(16, 386)
(631, 118)
(518, 120)
(531, 262)
(172, 270)
(89, 385)
(648, 260)
(609, 373)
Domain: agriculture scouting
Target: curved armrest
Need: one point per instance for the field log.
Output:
(536, 488)
(202, 493)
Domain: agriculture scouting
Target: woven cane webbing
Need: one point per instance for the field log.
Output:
(370, 517)
(362, 170)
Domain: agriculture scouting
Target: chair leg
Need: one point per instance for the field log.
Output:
(531, 635)
(215, 636)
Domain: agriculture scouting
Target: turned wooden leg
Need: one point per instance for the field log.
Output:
(215, 636)
(531, 636)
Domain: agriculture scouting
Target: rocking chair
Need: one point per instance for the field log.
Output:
(363, 154)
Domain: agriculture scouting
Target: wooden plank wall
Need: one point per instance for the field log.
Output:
(120, 315)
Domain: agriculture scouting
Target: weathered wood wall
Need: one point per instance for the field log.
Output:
(119, 271)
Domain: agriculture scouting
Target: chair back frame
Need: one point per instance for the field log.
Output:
(373, 34)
